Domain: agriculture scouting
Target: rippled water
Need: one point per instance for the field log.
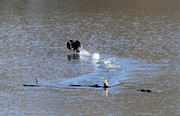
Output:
(133, 44)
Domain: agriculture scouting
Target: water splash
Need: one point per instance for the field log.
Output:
(83, 52)
(96, 56)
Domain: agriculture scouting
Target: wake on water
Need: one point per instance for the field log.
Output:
(104, 68)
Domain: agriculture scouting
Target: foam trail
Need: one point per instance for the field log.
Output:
(111, 63)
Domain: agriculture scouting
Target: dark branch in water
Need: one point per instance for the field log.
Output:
(33, 85)
(144, 90)
(95, 85)
(36, 79)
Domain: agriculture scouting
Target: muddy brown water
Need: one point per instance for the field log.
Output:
(134, 44)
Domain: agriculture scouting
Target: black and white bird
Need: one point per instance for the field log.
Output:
(74, 45)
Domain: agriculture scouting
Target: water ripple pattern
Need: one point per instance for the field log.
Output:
(104, 68)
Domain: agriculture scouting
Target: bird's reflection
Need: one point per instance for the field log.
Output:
(73, 57)
(106, 91)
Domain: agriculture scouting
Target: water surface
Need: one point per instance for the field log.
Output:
(133, 44)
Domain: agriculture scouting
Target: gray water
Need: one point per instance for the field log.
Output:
(133, 44)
